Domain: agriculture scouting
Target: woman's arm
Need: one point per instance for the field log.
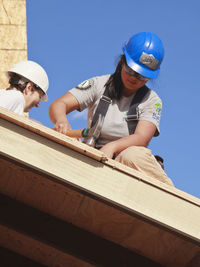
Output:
(58, 110)
(141, 137)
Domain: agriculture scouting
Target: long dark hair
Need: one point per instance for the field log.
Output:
(114, 83)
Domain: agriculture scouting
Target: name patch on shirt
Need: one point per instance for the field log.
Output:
(85, 85)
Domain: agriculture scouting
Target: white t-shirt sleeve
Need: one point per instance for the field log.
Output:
(151, 109)
(12, 100)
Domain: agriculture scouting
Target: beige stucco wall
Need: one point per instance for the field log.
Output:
(13, 39)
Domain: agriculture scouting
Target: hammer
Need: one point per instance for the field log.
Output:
(90, 135)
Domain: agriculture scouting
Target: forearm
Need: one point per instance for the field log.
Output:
(115, 147)
(142, 136)
(57, 111)
(125, 142)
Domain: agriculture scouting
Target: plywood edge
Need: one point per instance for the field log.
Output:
(155, 183)
(84, 149)
(44, 131)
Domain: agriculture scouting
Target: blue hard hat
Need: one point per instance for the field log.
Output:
(144, 53)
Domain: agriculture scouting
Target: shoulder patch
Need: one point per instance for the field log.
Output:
(85, 85)
(158, 107)
(156, 115)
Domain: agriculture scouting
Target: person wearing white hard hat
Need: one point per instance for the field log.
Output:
(28, 84)
(130, 109)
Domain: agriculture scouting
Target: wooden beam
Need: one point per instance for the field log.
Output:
(10, 259)
(65, 237)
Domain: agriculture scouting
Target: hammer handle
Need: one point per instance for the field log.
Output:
(78, 133)
(75, 133)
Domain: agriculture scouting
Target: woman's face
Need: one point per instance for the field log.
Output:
(131, 80)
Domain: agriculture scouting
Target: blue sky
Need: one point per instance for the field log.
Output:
(76, 40)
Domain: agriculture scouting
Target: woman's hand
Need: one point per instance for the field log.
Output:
(108, 149)
(62, 126)
(58, 110)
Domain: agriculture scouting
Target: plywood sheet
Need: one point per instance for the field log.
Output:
(13, 37)
(13, 46)
(146, 239)
(9, 57)
(95, 216)
(115, 204)
(90, 152)
(67, 165)
(13, 12)
(37, 191)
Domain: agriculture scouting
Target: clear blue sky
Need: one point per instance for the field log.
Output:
(75, 40)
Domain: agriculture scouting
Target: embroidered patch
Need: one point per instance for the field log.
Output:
(156, 115)
(85, 85)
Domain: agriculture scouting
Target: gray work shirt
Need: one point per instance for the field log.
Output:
(88, 94)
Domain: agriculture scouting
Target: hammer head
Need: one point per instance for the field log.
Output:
(94, 132)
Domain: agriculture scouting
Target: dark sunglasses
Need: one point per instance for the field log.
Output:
(131, 72)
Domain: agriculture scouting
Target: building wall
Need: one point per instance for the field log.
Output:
(13, 35)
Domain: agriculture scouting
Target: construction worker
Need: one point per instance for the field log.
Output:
(140, 62)
(28, 86)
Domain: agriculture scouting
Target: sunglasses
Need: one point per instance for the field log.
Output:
(131, 72)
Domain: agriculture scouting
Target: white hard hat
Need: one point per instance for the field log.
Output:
(33, 72)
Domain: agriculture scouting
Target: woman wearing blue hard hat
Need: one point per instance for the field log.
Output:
(132, 111)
